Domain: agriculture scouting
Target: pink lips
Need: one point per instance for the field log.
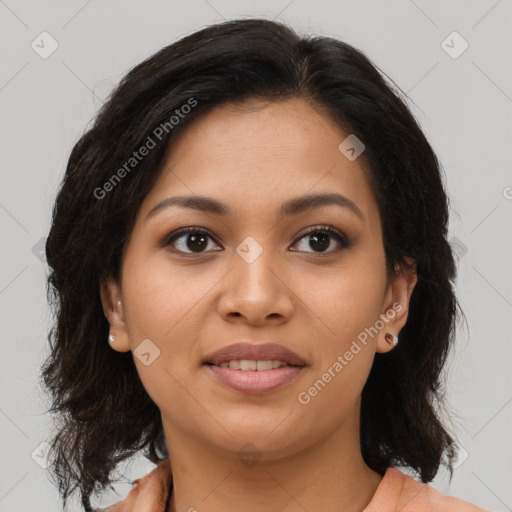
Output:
(254, 352)
(250, 381)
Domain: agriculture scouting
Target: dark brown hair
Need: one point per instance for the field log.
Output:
(105, 414)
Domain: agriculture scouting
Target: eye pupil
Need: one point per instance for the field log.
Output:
(194, 240)
(201, 240)
(321, 240)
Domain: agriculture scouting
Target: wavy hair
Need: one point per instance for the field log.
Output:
(105, 415)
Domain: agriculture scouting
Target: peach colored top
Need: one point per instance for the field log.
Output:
(396, 492)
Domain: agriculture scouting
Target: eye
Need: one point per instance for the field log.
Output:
(321, 238)
(195, 239)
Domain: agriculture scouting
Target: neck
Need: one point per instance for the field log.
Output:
(329, 475)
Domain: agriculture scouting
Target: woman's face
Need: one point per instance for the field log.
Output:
(257, 277)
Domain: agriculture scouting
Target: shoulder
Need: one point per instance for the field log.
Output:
(149, 493)
(398, 491)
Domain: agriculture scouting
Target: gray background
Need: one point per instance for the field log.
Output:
(463, 103)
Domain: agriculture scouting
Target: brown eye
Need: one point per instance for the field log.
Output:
(194, 240)
(189, 240)
(321, 238)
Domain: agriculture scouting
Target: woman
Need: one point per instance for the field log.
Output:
(257, 225)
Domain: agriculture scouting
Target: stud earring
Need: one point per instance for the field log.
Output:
(391, 339)
(111, 338)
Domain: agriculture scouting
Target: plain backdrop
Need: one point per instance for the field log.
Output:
(460, 89)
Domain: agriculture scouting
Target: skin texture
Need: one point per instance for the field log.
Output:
(253, 157)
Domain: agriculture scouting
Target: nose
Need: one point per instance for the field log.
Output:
(255, 292)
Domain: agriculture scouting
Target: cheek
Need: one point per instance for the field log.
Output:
(161, 299)
(163, 306)
(332, 395)
(349, 306)
(347, 301)
(345, 355)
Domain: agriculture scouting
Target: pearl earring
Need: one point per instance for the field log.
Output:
(111, 338)
(391, 339)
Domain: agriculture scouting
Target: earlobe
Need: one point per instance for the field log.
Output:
(111, 301)
(392, 339)
(397, 307)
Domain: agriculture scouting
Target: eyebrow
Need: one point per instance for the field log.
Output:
(292, 206)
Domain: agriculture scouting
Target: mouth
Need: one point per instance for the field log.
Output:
(255, 368)
(253, 365)
(264, 355)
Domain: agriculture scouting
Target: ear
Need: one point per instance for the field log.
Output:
(396, 307)
(112, 303)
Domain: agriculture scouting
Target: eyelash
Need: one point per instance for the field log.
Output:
(344, 241)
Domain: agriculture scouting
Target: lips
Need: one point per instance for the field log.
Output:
(254, 352)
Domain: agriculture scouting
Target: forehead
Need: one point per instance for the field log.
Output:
(258, 153)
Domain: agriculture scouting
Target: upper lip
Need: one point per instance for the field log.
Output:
(254, 352)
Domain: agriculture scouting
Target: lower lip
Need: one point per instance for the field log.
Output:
(256, 382)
